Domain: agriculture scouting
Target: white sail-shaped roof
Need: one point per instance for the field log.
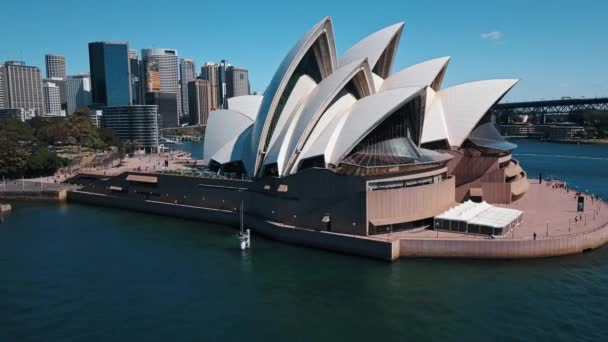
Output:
(317, 105)
(222, 126)
(236, 149)
(379, 48)
(248, 105)
(423, 74)
(320, 41)
(434, 128)
(465, 104)
(321, 98)
(277, 149)
(300, 91)
(319, 138)
(367, 114)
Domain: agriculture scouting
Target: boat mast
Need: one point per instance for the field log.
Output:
(241, 211)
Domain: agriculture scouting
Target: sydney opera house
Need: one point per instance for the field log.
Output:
(344, 144)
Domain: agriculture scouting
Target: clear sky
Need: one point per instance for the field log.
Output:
(556, 47)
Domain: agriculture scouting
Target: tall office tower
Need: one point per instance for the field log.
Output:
(237, 82)
(78, 92)
(110, 76)
(132, 54)
(187, 72)
(52, 99)
(23, 87)
(2, 87)
(210, 72)
(199, 93)
(166, 104)
(222, 86)
(137, 92)
(55, 66)
(56, 72)
(59, 83)
(162, 77)
(135, 123)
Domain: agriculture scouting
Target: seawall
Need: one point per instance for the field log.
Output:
(45, 195)
(505, 248)
(340, 243)
(385, 247)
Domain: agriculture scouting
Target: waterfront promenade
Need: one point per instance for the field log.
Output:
(549, 212)
(54, 187)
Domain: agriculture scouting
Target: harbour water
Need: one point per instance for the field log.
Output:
(83, 273)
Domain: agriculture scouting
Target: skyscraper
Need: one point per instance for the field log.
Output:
(222, 86)
(199, 93)
(55, 66)
(2, 87)
(210, 72)
(237, 82)
(56, 73)
(23, 87)
(137, 93)
(161, 67)
(78, 92)
(110, 75)
(59, 83)
(52, 99)
(165, 102)
(136, 123)
(187, 71)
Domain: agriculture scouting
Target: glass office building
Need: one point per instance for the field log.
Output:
(110, 73)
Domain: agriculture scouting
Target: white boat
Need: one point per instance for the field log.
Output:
(244, 236)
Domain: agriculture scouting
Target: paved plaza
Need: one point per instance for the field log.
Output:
(548, 211)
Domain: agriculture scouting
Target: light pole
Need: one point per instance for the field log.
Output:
(547, 228)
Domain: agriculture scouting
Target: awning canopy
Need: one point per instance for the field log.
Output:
(482, 214)
(496, 217)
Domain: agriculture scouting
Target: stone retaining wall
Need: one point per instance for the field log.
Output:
(504, 249)
(46, 195)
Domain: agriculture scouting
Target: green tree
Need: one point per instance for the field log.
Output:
(17, 141)
(109, 137)
(43, 163)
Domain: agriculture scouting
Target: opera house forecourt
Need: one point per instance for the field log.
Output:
(342, 153)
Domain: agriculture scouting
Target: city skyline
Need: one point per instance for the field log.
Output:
(481, 37)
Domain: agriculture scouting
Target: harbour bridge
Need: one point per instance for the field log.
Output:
(541, 109)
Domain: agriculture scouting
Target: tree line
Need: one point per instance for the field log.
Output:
(26, 147)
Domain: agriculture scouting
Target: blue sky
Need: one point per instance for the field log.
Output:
(556, 47)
